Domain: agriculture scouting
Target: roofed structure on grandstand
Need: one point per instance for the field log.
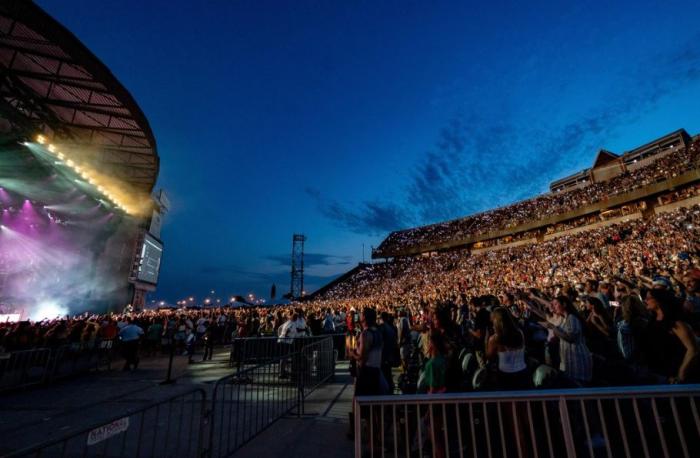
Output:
(53, 85)
(612, 185)
(608, 164)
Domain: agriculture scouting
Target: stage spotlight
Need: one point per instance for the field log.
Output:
(70, 163)
(51, 148)
(61, 156)
(48, 310)
(40, 139)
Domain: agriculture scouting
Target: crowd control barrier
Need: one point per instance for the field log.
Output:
(170, 427)
(24, 368)
(649, 421)
(242, 405)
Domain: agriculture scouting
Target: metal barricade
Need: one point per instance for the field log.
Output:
(23, 368)
(644, 421)
(318, 360)
(243, 405)
(257, 350)
(71, 360)
(171, 427)
(247, 402)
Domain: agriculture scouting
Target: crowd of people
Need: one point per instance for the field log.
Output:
(188, 331)
(618, 304)
(665, 167)
(614, 305)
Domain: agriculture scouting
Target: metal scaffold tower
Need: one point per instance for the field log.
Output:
(297, 287)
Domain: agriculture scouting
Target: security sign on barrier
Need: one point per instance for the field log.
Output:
(104, 432)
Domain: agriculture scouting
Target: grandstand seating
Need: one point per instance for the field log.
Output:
(663, 166)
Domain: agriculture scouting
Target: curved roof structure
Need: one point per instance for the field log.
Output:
(51, 83)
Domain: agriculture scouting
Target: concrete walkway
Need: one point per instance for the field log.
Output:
(321, 431)
(41, 413)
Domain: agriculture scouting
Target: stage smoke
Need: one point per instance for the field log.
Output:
(47, 311)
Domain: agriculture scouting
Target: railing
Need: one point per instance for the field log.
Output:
(318, 360)
(247, 402)
(256, 350)
(24, 368)
(632, 422)
(171, 427)
(70, 360)
(243, 405)
(20, 369)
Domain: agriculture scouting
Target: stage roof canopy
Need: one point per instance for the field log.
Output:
(51, 83)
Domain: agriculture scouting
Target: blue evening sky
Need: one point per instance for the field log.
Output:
(345, 120)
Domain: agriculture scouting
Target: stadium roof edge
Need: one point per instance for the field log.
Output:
(80, 97)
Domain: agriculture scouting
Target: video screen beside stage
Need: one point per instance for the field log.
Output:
(151, 253)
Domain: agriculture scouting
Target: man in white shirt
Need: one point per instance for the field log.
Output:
(288, 330)
(286, 335)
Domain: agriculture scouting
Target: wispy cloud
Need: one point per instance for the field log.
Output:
(480, 161)
(312, 259)
(369, 217)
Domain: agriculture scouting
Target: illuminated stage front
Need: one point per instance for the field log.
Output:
(62, 248)
(78, 164)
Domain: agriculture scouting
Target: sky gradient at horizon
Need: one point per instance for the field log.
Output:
(346, 120)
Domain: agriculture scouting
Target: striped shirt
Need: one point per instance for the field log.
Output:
(575, 358)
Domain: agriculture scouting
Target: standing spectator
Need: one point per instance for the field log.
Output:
(434, 381)
(286, 335)
(328, 323)
(404, 338)
(575, 360)
(130, 335)
(209, 339)
(368, 355)
(592, 289)
(507, 346)
(671, 348)
(201, 327)
(368, 358)
(692, 299)
(390, 349)
(153, 336)
(482, 323)
(599, 328)
(630, 330)
(190, 341)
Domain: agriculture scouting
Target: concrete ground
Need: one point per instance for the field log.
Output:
(321, 431)
(42, 413)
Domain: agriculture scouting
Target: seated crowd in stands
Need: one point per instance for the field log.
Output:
(666, 167)
(610, 306)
